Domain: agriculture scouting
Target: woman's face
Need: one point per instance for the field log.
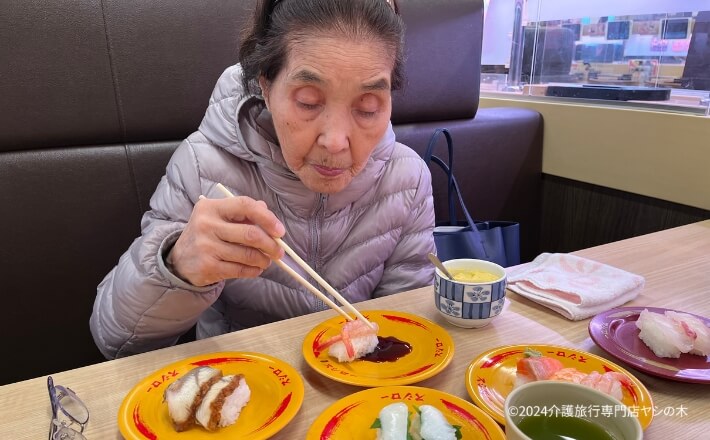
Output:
(331, 105)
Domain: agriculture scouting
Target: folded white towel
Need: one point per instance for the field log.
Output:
(574, 286)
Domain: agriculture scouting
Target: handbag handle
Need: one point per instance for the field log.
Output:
(453, 186)
(449, 170)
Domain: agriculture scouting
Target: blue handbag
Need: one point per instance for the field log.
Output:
(495, 241)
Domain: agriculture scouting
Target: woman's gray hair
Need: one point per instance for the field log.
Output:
(277, 23)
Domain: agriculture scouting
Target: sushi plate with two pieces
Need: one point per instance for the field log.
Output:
(276, 396)
(432, 350)
(616, 333)
(353, 416)
(491, 376)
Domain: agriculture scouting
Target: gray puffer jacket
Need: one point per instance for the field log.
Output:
(369, 240)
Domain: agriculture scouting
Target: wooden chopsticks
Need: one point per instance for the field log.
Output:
(312, 273)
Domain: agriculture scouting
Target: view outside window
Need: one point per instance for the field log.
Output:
(655, 53)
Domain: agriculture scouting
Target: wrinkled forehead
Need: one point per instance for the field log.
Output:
(337, 54)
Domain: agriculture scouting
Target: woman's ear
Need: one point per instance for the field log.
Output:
(264, 85)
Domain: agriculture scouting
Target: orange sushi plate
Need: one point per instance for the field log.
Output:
(490, 378)
(351, 417)
(432, 351)
(276, 396)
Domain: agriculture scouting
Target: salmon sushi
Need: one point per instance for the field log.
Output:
(534, 366)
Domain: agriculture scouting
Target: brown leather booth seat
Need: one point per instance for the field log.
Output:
(96, 95)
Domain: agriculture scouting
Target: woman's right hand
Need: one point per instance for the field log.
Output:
(226, 238)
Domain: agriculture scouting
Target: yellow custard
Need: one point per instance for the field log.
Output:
(472, 276)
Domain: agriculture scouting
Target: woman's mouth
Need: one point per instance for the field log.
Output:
(328, 171)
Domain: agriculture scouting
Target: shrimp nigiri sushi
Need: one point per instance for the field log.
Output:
(356, 339)
(185, 394)
(610, 383)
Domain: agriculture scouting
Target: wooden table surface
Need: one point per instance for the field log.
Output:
(675, 263)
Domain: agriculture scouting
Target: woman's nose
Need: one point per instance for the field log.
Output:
(335, 132)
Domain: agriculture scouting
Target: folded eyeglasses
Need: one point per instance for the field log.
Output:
(67, 412)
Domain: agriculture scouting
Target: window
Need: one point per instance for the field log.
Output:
(628, 52)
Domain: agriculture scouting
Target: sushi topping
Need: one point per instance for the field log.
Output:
(672, 333)
(215, 399)
(432, 425)
(185, 395)
(426, 423)
(534, 366)
(205, 397)
(355, 340)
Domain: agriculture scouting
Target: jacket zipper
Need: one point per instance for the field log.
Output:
(315, 227)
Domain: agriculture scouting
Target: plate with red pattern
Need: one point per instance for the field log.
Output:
(490, 377)
(352, 417)
(431, 351)
(276, 396)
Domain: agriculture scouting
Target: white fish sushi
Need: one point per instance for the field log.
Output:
(701, 345)
(393, 421)
(223, 402)
(185, 394)
(356, 339)
(430, 424)
(664, 336)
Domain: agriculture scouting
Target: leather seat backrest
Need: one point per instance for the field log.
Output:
(94, 97)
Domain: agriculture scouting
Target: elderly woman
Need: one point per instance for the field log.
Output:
(299, 131)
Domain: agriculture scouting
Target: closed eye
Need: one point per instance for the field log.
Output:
(307, 106)
(366, 114)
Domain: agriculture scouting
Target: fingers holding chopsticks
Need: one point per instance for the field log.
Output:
(226, 238)
(310, 271)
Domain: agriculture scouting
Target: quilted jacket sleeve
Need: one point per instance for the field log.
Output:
(140, 306)
(408, 267)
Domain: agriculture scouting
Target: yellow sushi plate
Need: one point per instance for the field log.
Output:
(276, 396)
(432, 351)
(490, 378)
(351, 417)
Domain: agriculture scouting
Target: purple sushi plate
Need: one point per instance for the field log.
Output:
(616, 333)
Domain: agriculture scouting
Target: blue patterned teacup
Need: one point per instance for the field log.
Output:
(470, 304)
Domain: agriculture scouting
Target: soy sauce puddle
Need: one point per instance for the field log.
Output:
(388, 349)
